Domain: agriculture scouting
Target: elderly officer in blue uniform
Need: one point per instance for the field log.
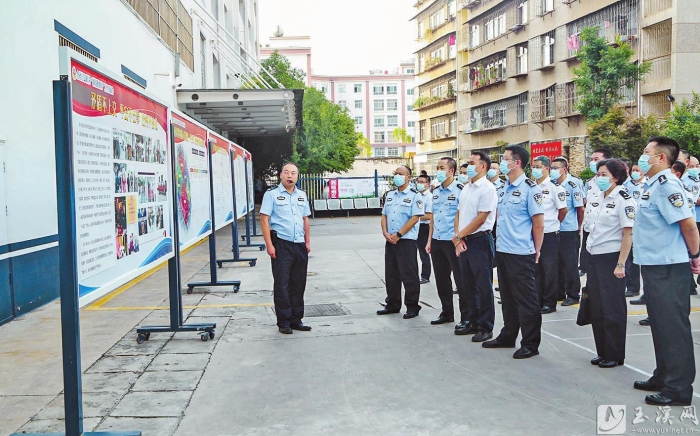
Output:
(284, 220)
(403, 207)
(520, 225)
(440, 246)
(665, 238)
(569, 237)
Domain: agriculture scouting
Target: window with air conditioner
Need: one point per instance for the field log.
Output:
(378, 105)
(392, 121)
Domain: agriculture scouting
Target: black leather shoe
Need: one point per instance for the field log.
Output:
(386, 312)
(631, 294)
(301, 327)
(646, 385)
(610, 363)
(694, 292)
(469, 329)
(596, 360)
(645, 322)
(409, 315)
(569, 302)
(441, 320)
(640, 300)
(525, 353)
(461, 325)
(495, 343)
(547, 309)
(424, 281)
(482, 336)
(660, 400)
(286, 330)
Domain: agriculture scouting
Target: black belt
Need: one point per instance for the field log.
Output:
(424, 224)
(478, 235)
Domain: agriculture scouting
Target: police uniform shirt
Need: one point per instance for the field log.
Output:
(518, 202)
(427, 198)
(634, 189)
(593, 195)
(692, 187)
(614, 213)
(574, 200)
(499, 184)
(657, 237)
(553, 199)
(445, 204)
(479, 196)
(401, 206)
(286, 212)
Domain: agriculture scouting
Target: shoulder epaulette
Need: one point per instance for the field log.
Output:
(694, 179)
(555, 183)
(414, 190)
(530, 183)
(624, 195)
(392, 189)
(572, 184)
(273, 188)
(575, 177)
(662, 180)
(460, 186)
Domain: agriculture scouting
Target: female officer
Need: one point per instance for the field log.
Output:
(609, 243)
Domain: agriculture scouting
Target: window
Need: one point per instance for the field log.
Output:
(522, 108)
(409, 108)
(378, 105)
(358, 121)
(422, 130)
(437, 18)
(410, 70)
(392, 105)
(522, 59)
(420, 29)
(358, 104)
(379, 152)
(474, 38)
(411, 124)
(521, 13)
(324, 89)
(548, 49)
(203, 59)
(451, 8)
(453, 125)
(379, 137)
(437, 128)
(378, 121)
(392, 89)
(358, 88)
(547, 5)
(409, 91)
(392, 151)
(438, 55)
(392, 121)
(341, 89)
(343, 104)
(378, 89)
(549, 102)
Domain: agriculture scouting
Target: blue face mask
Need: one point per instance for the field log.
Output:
(399, 180)
(593, 166)
(537, 173)
(555, 174)
(644, 164)
(504, 167)
(462, 178)
(441, 176)
(471, 171)
(491, 174)
(694, 171)
(420, 187)
(603, 183)
(636, 175)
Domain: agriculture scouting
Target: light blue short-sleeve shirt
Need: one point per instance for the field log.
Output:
(518, 202)
(427, 197)
(574, 200)
(401, 206)
(657, 237)
(286, 212)
(445, 207)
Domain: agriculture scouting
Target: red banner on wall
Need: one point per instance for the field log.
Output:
(333, 188)
(549, 149)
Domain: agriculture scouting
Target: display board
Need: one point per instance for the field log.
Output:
(121, 178)
(239, 176)
(549, 149)
(351, 188)
(192, 190)
(221, 172)
(251, 186)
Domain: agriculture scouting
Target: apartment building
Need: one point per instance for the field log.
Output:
(379, 102)
(517, 84)
(297, 49)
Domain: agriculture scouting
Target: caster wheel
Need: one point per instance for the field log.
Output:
(140, 338)
(148, 336)
(204, 337)
(212, 335)
(251, 263)
(189, 290)
(236, 288)
(220, 264)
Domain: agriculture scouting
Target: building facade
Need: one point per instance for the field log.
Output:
(295, 48)
(379, 102)
(161, 46)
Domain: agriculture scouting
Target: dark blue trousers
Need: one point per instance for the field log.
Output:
(289, 273)
(520, 303)
(423, 231)
(606, 297)
(401, 266)
(547, 270)
(569, 279)
(477, 275)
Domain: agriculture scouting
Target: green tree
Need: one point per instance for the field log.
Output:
(683, 124)
(606, 69)
(365, 146)
(280, 67)
(625, 136)
(400, 135)
(328, 140)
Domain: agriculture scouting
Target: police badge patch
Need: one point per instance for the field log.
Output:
(577, 196)
(419, 203)
(629, 211)
(538, 198)
(635, 194)
(676, 200)
(695, 190)
(562, 196)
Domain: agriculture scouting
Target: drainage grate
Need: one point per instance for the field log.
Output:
(314, 310)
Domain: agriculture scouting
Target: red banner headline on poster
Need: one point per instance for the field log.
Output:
(238, 149)
(549, 149)
(186, 130)
(95, 95)
(218, 144)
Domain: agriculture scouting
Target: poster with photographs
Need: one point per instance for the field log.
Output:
(239, 176)
(221, 174)
(121, 181)
(192, 190)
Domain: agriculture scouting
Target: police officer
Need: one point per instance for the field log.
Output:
(474, 246)
(284, 220)
(692, 185)
(554, 204)
(591, 193)
(423, 186)
(520, 232)
(493, 175)
(403, 207)
(634, 186)
(569, 236)
(694, 170)
(440, 246)
(663, 250)
(463, 176)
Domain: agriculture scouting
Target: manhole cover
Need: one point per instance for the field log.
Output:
(314, 310)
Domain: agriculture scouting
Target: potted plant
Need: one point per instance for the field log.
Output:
(450, 91)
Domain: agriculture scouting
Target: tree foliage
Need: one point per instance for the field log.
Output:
(365, 146)
(683, 124)
(400, 135)
(625, 136)
(605, 71)
(282, 70)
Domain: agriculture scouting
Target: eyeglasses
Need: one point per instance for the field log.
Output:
(504, 159)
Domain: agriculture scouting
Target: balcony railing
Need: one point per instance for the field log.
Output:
(422, 103)
(651, 7)
(660, 69)
(566, 100)
(656, 104)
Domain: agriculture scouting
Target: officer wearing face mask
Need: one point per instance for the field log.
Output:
(493, 174)
(635, 187)
(694, 170)
(592, 194)
(423, 186)
(463, 176)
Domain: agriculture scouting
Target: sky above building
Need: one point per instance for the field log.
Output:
(347, 37)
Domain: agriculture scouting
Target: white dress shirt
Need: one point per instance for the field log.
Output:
(553, 199)
(609, 215)
(479, 196)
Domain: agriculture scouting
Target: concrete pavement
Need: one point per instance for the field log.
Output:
(354, 374)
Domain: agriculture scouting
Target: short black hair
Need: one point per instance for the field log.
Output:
(519, 153)
(626, 161)
(483, 157)
(685, 152)
(678, 167)
(616, 167)
(424, 176)
(667, 146)
(423, 173)
(288, 163)
(464, 165)
(410, 173)
(451, 163)
(607, 154)
(562, 160)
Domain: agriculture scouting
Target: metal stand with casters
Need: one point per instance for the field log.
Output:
(207, 330)
(248, 233)
(234, 228)
(212, 245)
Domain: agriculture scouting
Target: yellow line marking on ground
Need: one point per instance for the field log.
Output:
(205, 306)
(120, 290)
